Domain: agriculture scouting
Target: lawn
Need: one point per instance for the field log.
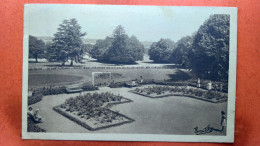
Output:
(52, 79)
(73, 76)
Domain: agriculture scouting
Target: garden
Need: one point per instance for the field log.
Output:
(92, 111)
(159, 91)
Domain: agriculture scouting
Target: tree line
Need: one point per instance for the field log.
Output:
(205, 52)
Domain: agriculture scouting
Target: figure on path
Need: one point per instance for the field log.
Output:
(223, 121)
(198, 85)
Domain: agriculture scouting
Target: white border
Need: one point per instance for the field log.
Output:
(229, 138)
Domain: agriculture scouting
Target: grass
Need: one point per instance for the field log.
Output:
(68, 76)
(52, 79)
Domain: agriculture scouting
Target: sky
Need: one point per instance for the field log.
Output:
(147, 23)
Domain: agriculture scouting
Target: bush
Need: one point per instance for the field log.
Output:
(36, 97)
(161, 51)
(88, 87)
(32, 127)
(117, 84)
(50, 90)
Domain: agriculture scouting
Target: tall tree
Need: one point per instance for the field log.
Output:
(36, 48)
(161, 51)
(117, 51)
(122, 49)
(210, 53)
(67, 43)
(182, 51)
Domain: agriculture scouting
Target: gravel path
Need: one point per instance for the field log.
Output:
(170, 115)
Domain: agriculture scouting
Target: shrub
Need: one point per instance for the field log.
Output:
(117, 85)
(34, 98)
(50, 90)
(88, 87)
(32, 127)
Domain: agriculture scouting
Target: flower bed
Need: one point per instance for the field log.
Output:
(159, 91)
(92, 110)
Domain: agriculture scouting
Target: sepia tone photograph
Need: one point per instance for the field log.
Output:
(133, 73)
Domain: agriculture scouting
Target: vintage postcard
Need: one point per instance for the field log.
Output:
(129, 73)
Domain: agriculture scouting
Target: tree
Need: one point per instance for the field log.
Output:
(36, 48)
(87, 48)
(135, 48)
(210, 53)
(100, 48)
(182, 51)
(117, 51)
(67, 43)
(161, 51)
(119, 48)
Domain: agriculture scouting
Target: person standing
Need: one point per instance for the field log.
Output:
(209, 85)
(223, 121)
(198, 85)
(221, 87)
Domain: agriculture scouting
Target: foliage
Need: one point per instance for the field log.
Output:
(182, 52)
(36, 97)
(117, 84)
(49, 90)
(134, 48)
(36, 48)
(161, 51)
(86, 49)
(210, 53)
(32, 127)
(100, 48)
(88, 87)
(67, 43)
(119, 48)
(182, 90)
(206, 52)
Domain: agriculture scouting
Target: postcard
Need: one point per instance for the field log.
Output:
(129, 73)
